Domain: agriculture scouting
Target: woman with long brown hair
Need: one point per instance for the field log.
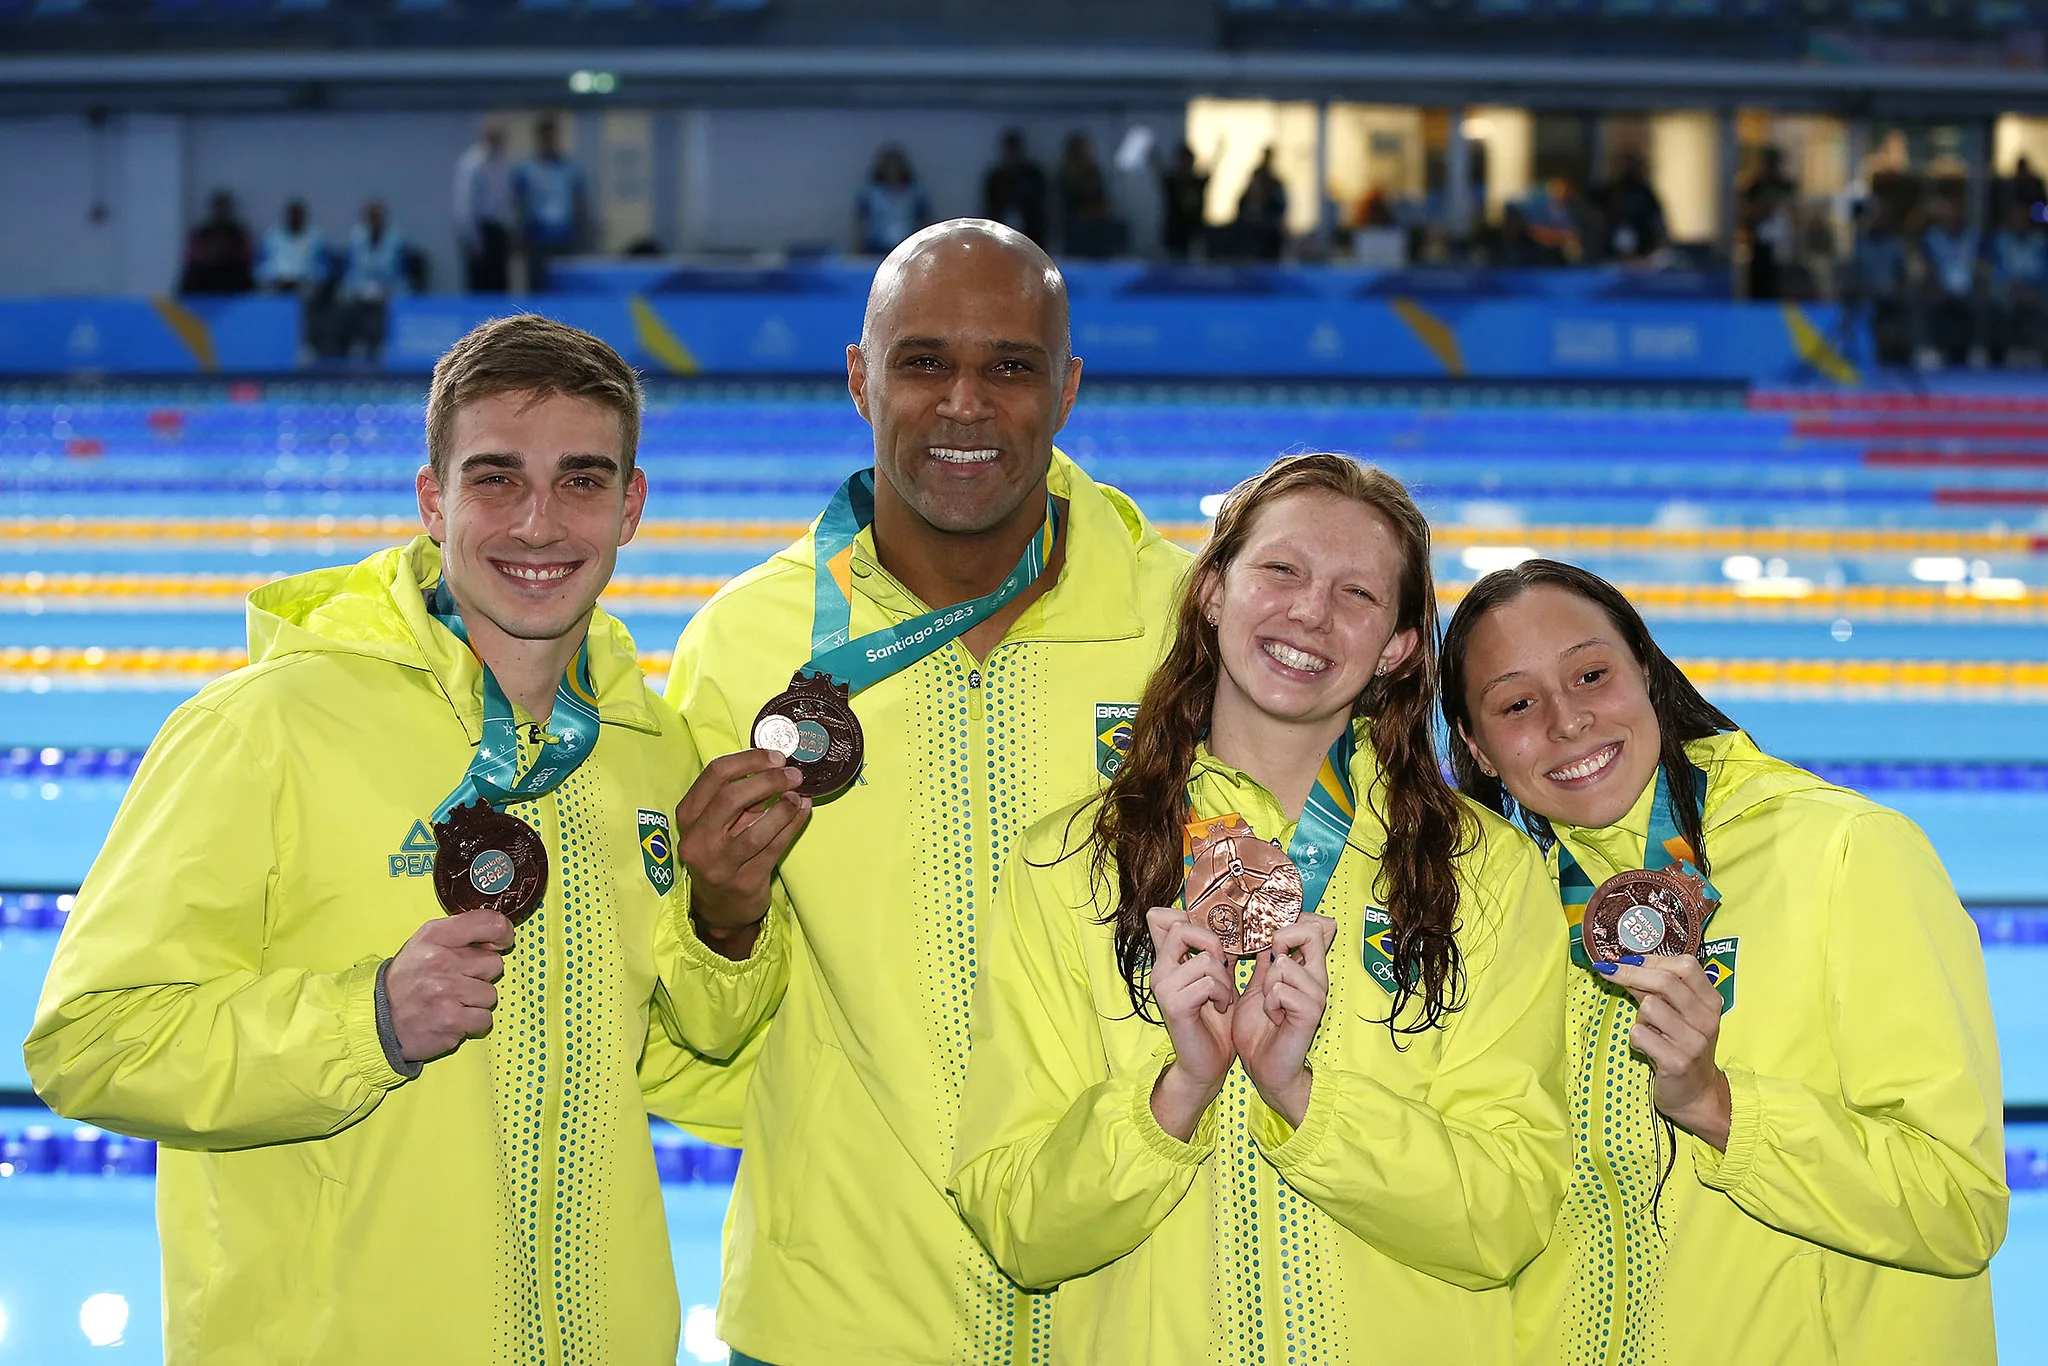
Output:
(1784, 1081)
(1247, 1107)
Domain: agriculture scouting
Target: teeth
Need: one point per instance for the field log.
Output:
(533, 574)
(1586, 767)
(959, 457)
(1296, 659)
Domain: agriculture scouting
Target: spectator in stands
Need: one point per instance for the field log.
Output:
(294, 260)
(1876, 276)
(1765, 217)
(485, 211)
(375, 275)
(1554, 219)
(552, 207)
(892, 205)
(1183, 197)
(2026, 187)
(1014, 192)
(1951, 294)
(2019, 287)
(218, 256)
(1088, 229)
(1631, 213)
(294, 256)
(1515, 246)
(1261, 226)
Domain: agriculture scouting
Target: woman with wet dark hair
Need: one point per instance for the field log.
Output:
(1231, 1135)
(1790, 1143)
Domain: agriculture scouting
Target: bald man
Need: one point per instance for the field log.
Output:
(992, 614)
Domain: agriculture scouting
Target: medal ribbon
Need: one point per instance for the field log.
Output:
(1318, 837)
(875, 656)
(1574, 888)
(570, 736)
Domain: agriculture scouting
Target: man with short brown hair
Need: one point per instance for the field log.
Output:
(287, 958)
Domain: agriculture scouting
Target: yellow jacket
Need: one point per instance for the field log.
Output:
(1862, 1192)
(213, 990)
(1384, 1230)
(843, 1248)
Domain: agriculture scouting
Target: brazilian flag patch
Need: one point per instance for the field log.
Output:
(1719, 955)
(657, 849)
(1378, 962)
(1112, 735)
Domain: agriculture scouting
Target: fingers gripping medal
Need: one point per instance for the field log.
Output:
(1240, 887)
(813, 724)
(813, 721)
(1647, 911)
(488, 861)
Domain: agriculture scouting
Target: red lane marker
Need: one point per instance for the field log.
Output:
(1797, 401)
(2009, 497)
(85, 447)
(1922, 429)
(1959, 459)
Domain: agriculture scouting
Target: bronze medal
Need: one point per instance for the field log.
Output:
(1647, 911)
(813, 723)
(1240, 887)
(489, 861)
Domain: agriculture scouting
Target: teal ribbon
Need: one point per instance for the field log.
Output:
(494, 770)
(1574, 888)
(875, 656)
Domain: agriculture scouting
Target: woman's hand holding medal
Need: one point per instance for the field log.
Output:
(1192, 984)
(1282, 1007)
(1270, 1026)
(733, 826)
(1678, 1023)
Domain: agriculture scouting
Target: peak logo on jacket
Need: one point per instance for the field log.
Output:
(415, 856)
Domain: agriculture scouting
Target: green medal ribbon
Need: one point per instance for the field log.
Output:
(1320, 834)
(1574, 888)
(570, 736)
(875, 656)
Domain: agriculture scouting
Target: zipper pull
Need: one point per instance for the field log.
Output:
(974, 678)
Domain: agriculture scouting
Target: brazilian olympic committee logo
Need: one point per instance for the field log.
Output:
(1719, 956)
(657, 849)
(1113, 735)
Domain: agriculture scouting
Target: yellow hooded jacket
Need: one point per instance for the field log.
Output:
(843, 1247)
(213, 990)
(1862, 1192)
(1385, 1229)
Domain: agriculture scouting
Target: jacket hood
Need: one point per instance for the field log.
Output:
(377, 609)
(1740, 777)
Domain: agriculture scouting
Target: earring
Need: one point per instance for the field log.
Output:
(1380, 672)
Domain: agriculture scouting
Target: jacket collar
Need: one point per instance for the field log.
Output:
(378, 609)
(1740, 777)
(1095, 596)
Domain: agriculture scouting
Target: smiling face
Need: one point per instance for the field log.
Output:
(1560, 708)
(531, 511)
(1307, 612)
(964, 375)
